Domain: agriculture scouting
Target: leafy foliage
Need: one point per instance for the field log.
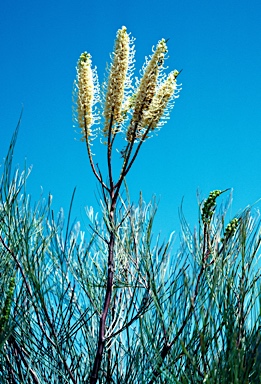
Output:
(186, 317)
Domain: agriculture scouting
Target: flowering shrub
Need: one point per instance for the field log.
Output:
(120, 306)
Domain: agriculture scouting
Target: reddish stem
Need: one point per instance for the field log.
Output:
(107, 300)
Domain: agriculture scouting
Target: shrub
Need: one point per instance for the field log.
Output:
(119, 306)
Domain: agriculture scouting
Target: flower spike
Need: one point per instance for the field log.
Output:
(159, 102)
(87, 89)
(85, 94)
(147, 89)
(116, 82)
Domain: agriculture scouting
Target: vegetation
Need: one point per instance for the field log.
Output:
(119, 306)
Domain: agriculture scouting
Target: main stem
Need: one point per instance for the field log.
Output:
(107, 300)
(114, 190)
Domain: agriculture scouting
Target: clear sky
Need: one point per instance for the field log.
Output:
(213, 138)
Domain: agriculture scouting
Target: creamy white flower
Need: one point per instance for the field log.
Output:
(116, 82)
(87, 91)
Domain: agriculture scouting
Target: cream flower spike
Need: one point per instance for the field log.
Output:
(147, 89)
(159, 102)
(116, 82)
(137, 110)
(85, 94)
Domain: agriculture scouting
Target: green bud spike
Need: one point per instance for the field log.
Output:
(209, 206)
(230, 229)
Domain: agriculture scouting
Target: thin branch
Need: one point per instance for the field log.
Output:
(107, 300)
(22, 352)
(36, 309)
(93, 166)
(167, 346)
(28, 288)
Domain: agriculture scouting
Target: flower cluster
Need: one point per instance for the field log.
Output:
(87, 90)
(148, 83)
(152, 96)
(85, 93)
(209, 206)
(230, 229)
(159, 102)
(5, 312)
(116, 82)
(138, 109)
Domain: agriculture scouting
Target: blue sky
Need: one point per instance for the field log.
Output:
(213, 138)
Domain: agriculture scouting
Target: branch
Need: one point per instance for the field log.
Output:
(107, 300)
(93, 166)
(36, 309)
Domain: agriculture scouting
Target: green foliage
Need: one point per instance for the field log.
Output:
(190, 316)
